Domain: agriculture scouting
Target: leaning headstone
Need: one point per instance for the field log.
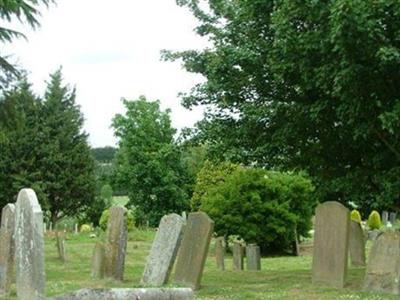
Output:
(220, 252)
(357, 244)
(7, 248)
(29, 247)
(98, 261)
(193, 251)
(383, 269)
(385, 217)
(393, 217)
(238, 257)
(131, 294)
(253, 257)
(331, 239)
(164, 250)
(116, 243)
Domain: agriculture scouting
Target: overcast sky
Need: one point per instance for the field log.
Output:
(110, 50)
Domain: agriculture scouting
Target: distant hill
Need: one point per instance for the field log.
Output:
(104, 154)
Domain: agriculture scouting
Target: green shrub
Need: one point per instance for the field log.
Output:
(130, 221)
(261, 207)
(356, 216)
(374, 220)
(85, 228)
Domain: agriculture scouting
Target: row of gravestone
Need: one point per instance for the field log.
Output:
(22, 249)
(389, 217)
(336, 235)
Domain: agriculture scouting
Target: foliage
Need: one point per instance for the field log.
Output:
(106, 195)
(130, 220)
(262, 207)
(104, 154)
(148, 163)
(356, 216)
(85, 228)
(374, 220)
(308, 85)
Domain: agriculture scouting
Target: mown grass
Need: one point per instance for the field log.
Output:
(280, 278)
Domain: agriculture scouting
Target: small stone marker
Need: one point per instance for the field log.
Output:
(296, 244)
(393, 217)
(51, 227)
(116, 243)
(385, 217)
(238, 257)
(98, 261)
(383, 269)
(60, 239)
(29, 250)
(220, 252)
(7, 248)
(331, 240)
(164, 250)
(131, 294)
(76, 230)
(193, 251)
(253, 257)
(357, 244)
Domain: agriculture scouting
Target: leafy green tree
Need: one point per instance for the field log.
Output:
(306, 85)
(148, 161)
(107, 194)
(104, 154)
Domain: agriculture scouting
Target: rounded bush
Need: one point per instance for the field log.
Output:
(130, 220)
(356, 216)
(85, 228)
(374, 220)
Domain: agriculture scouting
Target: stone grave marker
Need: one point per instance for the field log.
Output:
(29, 247)
(98, 263)
(238, 256)
(385, 217)
(115, 248)
(331, 240)
(253, 257)
(393, 217)
(193, 251)
(60, 240)
(164, 250)
(383, 269)
(220, 252)
(7, 248)
(357, 244)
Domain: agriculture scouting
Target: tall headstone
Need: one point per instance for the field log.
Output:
(60, 239)
(393, 217)
(331, 239)
(29, 247)
(220, 252)
(383, 269)
(164, 250)
(385, 217)
(116, 243)
(253, 257)
(357, 244)
(98, 263)
(193, 251)
(238, 256)
(7, 248)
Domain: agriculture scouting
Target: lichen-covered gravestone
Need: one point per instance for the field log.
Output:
(193, 251)
(7, 248)
(163, 251)
(29, 247)
(253, 257)
(98, 262)
(383, 269)
(238, 257)
(357, 244)
(331, 238)
(115, 248)
(220, 252)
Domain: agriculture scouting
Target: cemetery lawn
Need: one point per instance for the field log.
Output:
(280, 278)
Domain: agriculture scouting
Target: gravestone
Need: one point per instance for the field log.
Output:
(60, 239)
(238, 256)
(7, 248)
(393, 217)
(29, 247)
(253, 257)
(383, 269)
(296, 244)
(116, 243)
(385, 217)
(331, 237)
(98, 261)
(220, 252)
(193, 251)
(164, 250)
(357, 244)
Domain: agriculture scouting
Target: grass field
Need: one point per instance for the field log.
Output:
(280, 278)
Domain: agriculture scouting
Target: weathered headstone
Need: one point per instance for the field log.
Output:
(385, 217)
(238, 256)
(220, 252)
(193, 251)
(51, 227)
(131, 294)
(60, 240)
(164, 250)
(253, 257)
(7, 248)
(357, 244)
(331, 239)
(383, 269)
(76, 230)
(98, 263)
(116, 243)
(29, 247)
(393, 217)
